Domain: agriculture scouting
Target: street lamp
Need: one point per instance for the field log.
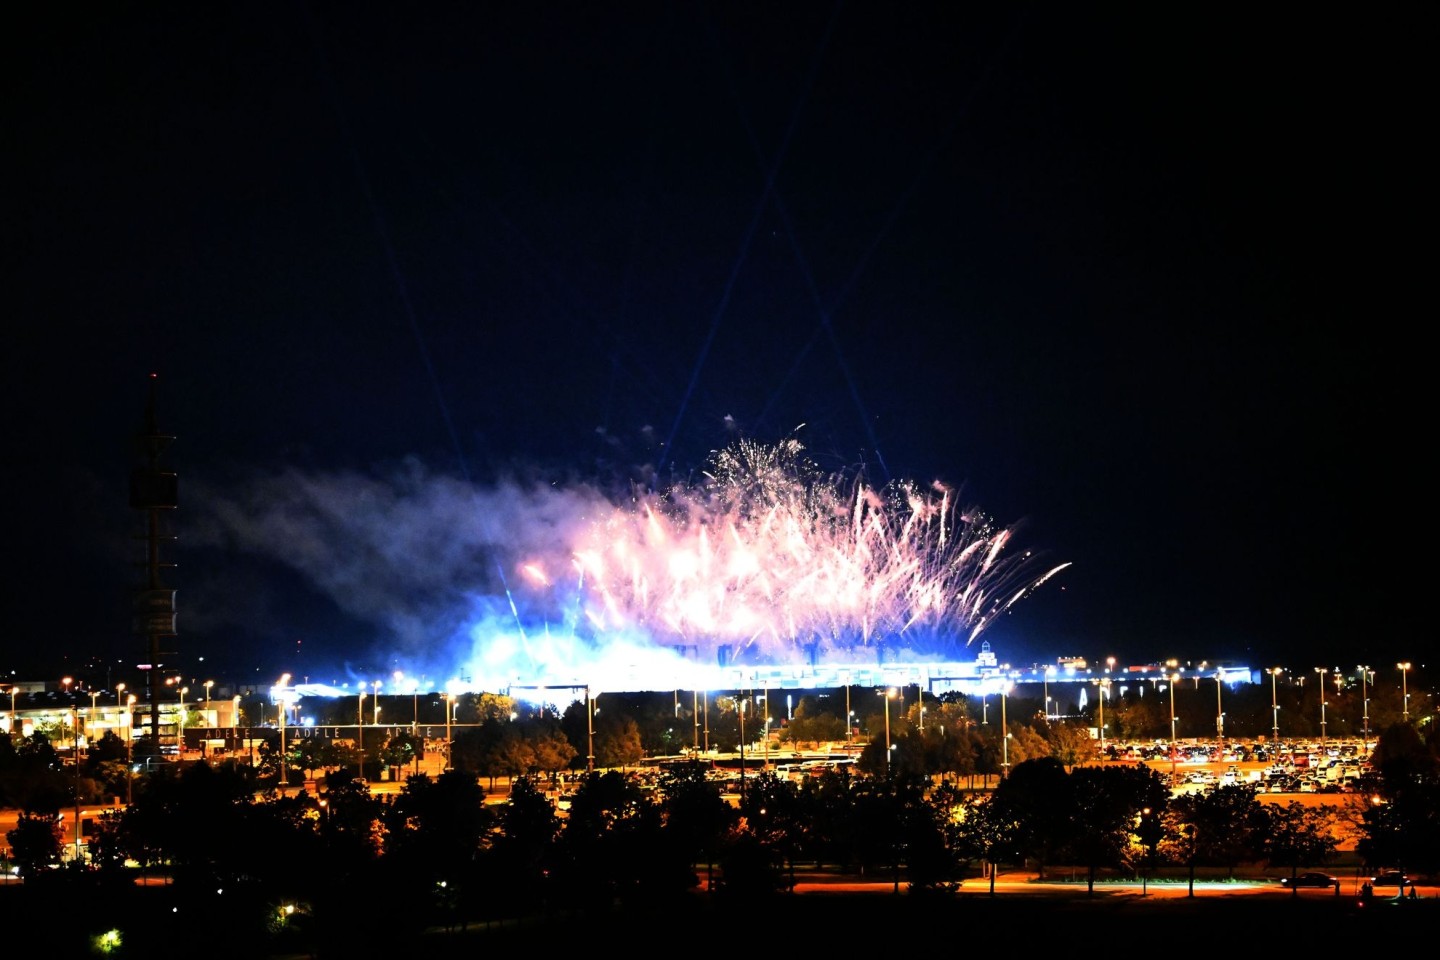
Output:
(76, 760)
(1004, 739)
(1365, 698)
(920, 702)
(1219, 710)
(889, 694)
(129, 747)
(65, 682)
(448, 697)
(1404, 691)
(740, 718)
(1274, 704)
(360, 729)
(376, 701)
(208, 685)
(1322, 671)
(1174, 755)
(90, 721)
(235, 721)
(1101, 686)
(282, 745)
(1049, 671)
(119, 690)
(278, 694)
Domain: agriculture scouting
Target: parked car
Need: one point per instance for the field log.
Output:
(1391, 878)
(1310, 880)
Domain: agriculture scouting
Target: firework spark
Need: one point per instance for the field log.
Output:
(767, 560)
(763, 561)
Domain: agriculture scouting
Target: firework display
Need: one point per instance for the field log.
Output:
(766, 560)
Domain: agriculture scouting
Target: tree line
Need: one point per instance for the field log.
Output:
(340, 866)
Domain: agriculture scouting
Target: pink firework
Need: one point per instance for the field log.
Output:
(766, 559)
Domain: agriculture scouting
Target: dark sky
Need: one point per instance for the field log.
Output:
(1145, 283)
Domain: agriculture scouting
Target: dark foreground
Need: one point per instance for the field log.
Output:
(1019, 917)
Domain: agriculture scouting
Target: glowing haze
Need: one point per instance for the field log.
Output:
(762, 561)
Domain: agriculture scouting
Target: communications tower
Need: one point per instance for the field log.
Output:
(154, 492)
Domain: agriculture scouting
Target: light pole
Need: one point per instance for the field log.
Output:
(13, 688)
(1274, 705)
(1219, 710)
(1101, 686)
(1048, 672)
(129, 747)
(1004, 739)
(849, 716)
(740, 715)
(208, 685)
(235, 722)
(920, 703)
(74, 743)
(360, 730)
(278, 694)
(447, 697)
(695, 715)
(1322, 671)
(765, 727)
(90, 721)
(1365, 699)
(1404, 690)
(281, 705)
(889, 694)
(76, 760)
(119, 690)
(1174, 754)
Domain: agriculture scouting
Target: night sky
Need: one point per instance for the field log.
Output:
(1144, 283)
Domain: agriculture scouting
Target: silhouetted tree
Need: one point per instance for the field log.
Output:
(1223, 827)
(1299, 836)
(1036, 798)
(35, 843)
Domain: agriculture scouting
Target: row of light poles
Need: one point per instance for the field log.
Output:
(1365, 673)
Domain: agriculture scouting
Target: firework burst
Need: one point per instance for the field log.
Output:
(768, 560)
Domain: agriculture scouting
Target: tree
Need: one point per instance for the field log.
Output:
(1107, 802)
(1404, 831)
(550, 751)
(617, 741)
(522, 847)
(1026, 744)
(36, 843)
(697, 818)
(1071, 744)
(951, 751)
(987, 830)
(1403, 760)
(1037, 799)
(811, 730)
(772, 810)
(611, 847)
(1299, 836)
(1222, 827)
